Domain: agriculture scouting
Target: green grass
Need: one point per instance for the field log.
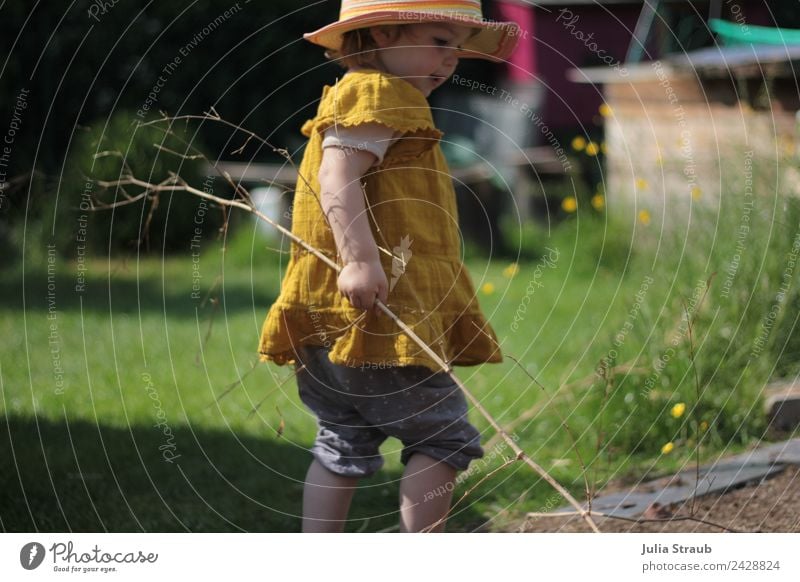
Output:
(89, 454)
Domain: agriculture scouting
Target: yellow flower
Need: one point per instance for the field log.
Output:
(569, 204)
(641, 184)
(598, 201)
(487, 288)
(704, 426)
(592, 149)
(605, 110)
(678, 410)
(511, 270)
(667, 448)
(578, 143)
(696, 193)
(603, 148)
(644, 217)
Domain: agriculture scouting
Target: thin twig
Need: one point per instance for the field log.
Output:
(215, 307)
(560, 393)
(689, 324)
(566, 427)
(233, 385)
(281, 423)
(505, 464)
(268, 394)
(608, 376)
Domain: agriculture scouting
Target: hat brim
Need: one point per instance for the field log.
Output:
(495, 41)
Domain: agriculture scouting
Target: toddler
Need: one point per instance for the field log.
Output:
(375, 194)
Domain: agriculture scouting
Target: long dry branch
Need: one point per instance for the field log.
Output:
(177, 184)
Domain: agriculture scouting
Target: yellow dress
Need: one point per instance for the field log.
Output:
(410, 196)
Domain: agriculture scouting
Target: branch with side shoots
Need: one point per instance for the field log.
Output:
(175, 183)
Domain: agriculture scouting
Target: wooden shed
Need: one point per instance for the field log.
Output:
(684, 127)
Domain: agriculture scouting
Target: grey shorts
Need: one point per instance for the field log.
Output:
(358, 408)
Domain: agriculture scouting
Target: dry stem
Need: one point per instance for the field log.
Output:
(176, 183)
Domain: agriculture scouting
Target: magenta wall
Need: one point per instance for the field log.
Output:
(523, 59)
(551, 45)
(557, 48)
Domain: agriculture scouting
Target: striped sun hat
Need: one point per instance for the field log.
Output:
(495, 41)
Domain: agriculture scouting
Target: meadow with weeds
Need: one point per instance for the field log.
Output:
(136, 402)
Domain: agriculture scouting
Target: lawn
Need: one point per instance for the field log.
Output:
(130, 404)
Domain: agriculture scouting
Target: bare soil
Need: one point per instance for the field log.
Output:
(772, 505)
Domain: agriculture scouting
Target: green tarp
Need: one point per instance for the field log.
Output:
(734, 33)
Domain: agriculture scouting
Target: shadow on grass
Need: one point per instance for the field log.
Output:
(81, 477)
(127, 294)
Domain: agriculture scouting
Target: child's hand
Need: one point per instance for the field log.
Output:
(362, 282)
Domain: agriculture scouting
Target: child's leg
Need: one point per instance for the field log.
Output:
(425, 493)
(326, 499)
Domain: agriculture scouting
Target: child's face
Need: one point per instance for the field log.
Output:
(423, 54)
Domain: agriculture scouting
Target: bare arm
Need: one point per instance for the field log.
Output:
(362, 279)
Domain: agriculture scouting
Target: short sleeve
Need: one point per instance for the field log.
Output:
(374, 97)
(372, 137)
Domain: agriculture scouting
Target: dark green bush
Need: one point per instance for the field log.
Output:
(110, 152)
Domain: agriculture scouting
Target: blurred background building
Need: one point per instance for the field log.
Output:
(578, 110)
